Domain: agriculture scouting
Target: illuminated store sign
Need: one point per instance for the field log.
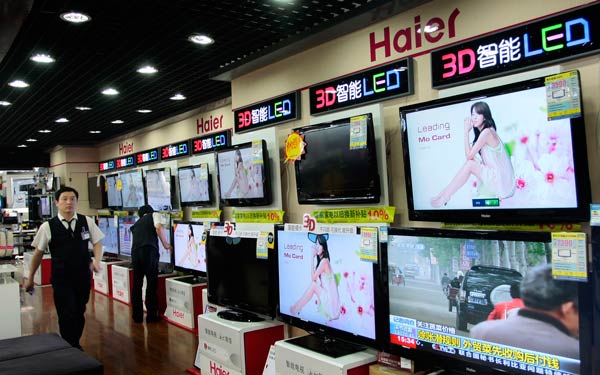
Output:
(270, 112)
(383, 82)
(566, 36)
(125, 162)
(211, 142)
(146, 157)
(106, 165)
(174, 150)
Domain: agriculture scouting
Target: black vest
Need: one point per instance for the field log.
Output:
(144, 234)
(69, 251)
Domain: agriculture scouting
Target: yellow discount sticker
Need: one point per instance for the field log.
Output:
(294, 147)
(355, 215)
(263, 216)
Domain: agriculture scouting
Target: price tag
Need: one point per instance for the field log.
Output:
(355, 215)
(119, 184)
(259, 216)
(208, 215)
(261, 246)
(595, 215)
(358, 132)
(563, 96)
(569, 256)
(257, 155)
(368, 244)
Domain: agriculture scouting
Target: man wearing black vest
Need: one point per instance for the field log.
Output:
(67, 235)
(144, 259)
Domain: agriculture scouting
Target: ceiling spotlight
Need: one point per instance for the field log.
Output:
(62, 119)
(117, 122)
(75, 17)
(110, 91)
(144, 110)
(31, 140)
(83, 108)
(18, 83)
(21, 146)
(147, 69)
(42, 58)
(201, 39)
(95, 131)
(4, 103)
(44, 131)
(177, 97)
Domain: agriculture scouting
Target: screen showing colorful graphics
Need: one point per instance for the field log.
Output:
(485, 297)
(195, 185)
(112, 193)
(164, 254)
(132, 191)
(325, 286)
(158, 188)
(518, 165)
(189, 247)
(125, 236)
(110, 242)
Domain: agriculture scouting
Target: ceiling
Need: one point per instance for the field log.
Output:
(123, 36)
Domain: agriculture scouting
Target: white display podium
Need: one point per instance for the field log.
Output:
(10, 313)
(122, 280)
(44, 271)
(234, 348)
(103, 278)
(184, 301)
(291, 359)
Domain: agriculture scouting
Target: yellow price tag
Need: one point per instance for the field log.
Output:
(262, 216)
(355, 215)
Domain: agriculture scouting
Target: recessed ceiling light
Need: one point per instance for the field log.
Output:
(117, 122)
(44, 131)
(147, 69)
(18, 83)
(201, 39)
(95, 131)
(110, 91)
(21, 146)
(144, 110)
(62, 119)
(5, 103)
(31, 140)
(75, 17)
(83, 108)
(42, 58)
(177, 97)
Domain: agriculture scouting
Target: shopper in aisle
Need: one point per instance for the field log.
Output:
(144, 258)
(68, 236)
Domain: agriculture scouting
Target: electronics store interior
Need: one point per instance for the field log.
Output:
(400, 189)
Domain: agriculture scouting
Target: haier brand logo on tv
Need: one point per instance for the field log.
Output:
(384, 82)
(561, 37)
(218, 369)
(270, 112)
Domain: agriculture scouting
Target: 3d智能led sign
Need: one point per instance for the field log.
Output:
(107, 165)
(211, 142)
(145, 157)
(125, 162)
(175, 150)
(270, 112)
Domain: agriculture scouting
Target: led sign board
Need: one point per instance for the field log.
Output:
(175, 150)
(383, 82)
(125, 162)
(211, 142)
(106, 165)
(565, 36)
(146, 157)
(273, 111)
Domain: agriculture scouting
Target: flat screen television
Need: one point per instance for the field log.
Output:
(456, 305)
(339, 164)
(132, 190)
(113, 195)
(165, 260)
(326, 288)
(238, 278)
(125, 236)
(528, 169)
(110, 242)
(195, 185)
(96, 193)
(189, 248)
(244, 177)
(158, 189)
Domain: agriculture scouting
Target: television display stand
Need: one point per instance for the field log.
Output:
(327, 345)
(239, 316)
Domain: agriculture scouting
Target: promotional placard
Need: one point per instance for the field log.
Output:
(148, 156)
(270, 112)
(175, 150)
(211, 142)
(180, 303)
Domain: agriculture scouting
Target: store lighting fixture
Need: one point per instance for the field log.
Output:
(4, 103)
(110, 91)
(61, 120)
(22, 146)
(75, 17)
(95, 131)
(117, 122)
(177, 97)
(144, 110)
(42, 58)
(147, 69)
(44, 131)
(31, 140)
(201, 39)
(83, 108)
(18, 83)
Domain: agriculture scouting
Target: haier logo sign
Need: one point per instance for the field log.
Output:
(566, 36)
(217, 369)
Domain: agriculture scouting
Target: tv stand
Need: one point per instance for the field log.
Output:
(239, 316)
(326, 345)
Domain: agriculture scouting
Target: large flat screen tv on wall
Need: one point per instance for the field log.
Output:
(244, 175)
(339, 164)
(112, 193)
(158, 189)
(528, 169)
(468, 297)
(195, 185)
(132, 191)
(238, 278)
(328, 289)
(189, 247)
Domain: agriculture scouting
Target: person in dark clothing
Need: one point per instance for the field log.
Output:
(68, 236)
(144, 259)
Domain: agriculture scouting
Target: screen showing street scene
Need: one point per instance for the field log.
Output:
(484, 300)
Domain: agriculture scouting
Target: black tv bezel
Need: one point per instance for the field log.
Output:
(139, 171)
(470, 366)
(366, 195)
(118, 242)
(145, 182)
(271, 311)
(381, 322)
(114, 207)
(188, 271)
(581, 213)
(267, 198)
(210, 200)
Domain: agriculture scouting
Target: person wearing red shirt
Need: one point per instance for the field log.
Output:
(502, 309)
